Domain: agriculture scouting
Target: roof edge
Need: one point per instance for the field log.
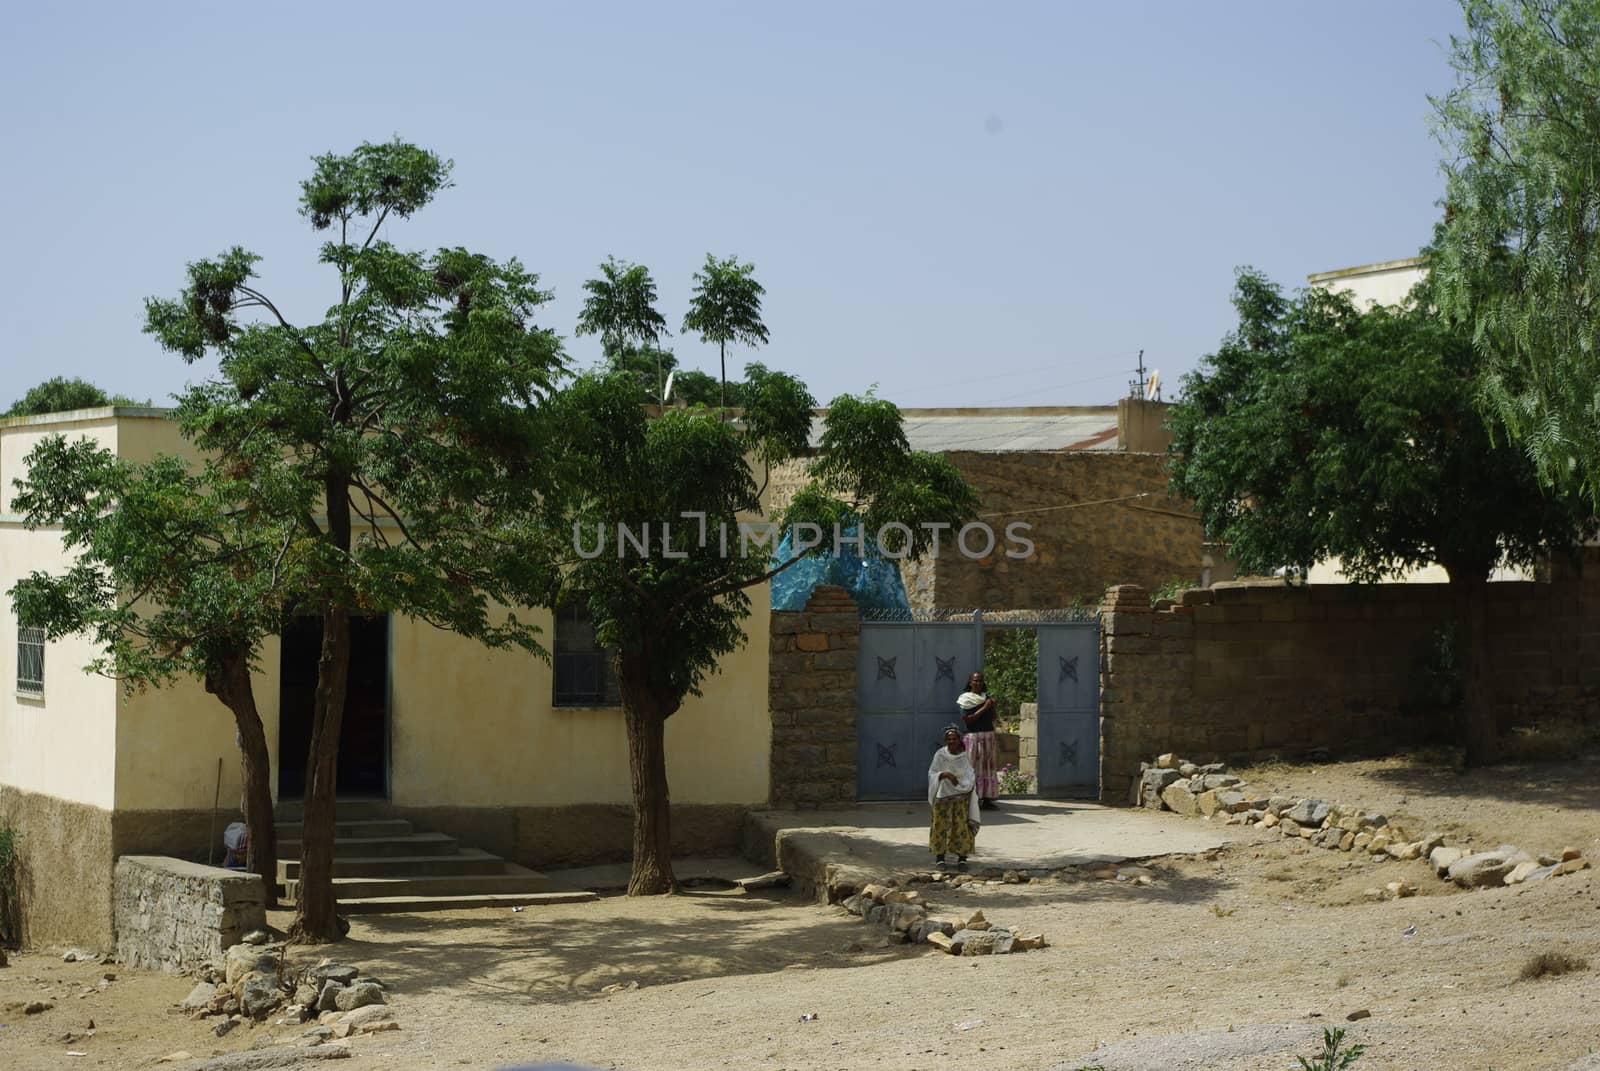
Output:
(1374, 268)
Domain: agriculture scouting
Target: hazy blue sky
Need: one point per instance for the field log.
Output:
(993, 204)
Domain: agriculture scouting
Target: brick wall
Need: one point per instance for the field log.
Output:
(1244, 671)
(811, 697)
(172, 915)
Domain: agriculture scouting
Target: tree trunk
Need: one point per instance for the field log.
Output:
(1470, 592)
(646, 718)
(722, 348)
(231, 684)
(315, 916)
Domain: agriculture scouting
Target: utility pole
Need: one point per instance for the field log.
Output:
(1136, 388)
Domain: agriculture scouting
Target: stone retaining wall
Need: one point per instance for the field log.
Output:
(811, 697)
(1244, 671)
(171, 915)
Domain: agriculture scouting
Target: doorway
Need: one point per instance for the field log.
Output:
(364, 734)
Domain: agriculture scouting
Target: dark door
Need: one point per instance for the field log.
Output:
(364, 735)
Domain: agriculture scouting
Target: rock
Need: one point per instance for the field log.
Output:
(1485, 868)
(1309, 812)
(875, 893)
(984, 942)
(1411, 850)
(37, 1007)
(1278, 804)
(1288, 827)
(1269, 820)
(1130, 873)
(902, 896)
(329, 994)
(1374, 894)
(1374, 821)
(318, 1033)
(1347, 841)
(223, 1027)
(1151, 784)
(877, 915)
(1400, 889)
(176, 1057)
(80, 955)
(1232, 801)
(357, 996)
(1442, 858)
(1376, 844)
(1206, 801)
(901, 918)
(306, 993)
(1168, 761)
(1014, 877)
(1178, 798)
(857, 905)
(256, 937)
(371, 1013)
(294, 1015)
(1027, 942)
(1540, 874)
(1569, 854)
(259, 995)
(1571, 866)
(1328, 838)
(199, 997)
(377, 1028)
(333, 972)
(1187, 769)
(1358, 1015)
(976, 922)
(248, 959)
(1519, 873)
(1214, 768)
(1361, 842)
(944, 943)
(230, 1006)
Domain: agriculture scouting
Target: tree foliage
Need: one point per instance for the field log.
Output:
(672, 611)
(1319, 430)
(59, 394)
(726, 309)
(397, 431)
(1517, 256)
(621, 309)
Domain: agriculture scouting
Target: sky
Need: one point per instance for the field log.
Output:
(953, 204)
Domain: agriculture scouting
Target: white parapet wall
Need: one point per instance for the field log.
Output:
(174, 916)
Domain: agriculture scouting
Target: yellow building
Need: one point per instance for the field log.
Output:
(501, 749)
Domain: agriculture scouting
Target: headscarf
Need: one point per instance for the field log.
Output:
(961, 735)
(970, 700)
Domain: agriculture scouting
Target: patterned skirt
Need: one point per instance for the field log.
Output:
(983, 749)
(951, 832)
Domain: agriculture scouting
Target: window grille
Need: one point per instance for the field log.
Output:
(585, 672)
(30, 661)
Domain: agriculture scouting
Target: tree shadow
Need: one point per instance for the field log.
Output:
(1567, 784)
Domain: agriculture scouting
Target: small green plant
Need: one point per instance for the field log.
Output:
(1013, 782)
(1172, 588)
(1222, 912)
(1334, 1056)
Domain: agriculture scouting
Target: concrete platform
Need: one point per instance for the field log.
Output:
(879, 840)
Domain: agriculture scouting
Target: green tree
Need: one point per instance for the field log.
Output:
(396, 432)
(1317, 429)
(726, 308)
(169, 580)
(1517, 256)
(59, 395)
(621, 309)
(683, 482)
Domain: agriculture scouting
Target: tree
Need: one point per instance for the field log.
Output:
(59, 395)
(621, 309)
(170, 581)
(1517, 257)
(1317, 429)
(684, 482)
(726, 308)
(396, 433)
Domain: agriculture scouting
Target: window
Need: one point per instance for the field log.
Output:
(585, 672)
(30, 661)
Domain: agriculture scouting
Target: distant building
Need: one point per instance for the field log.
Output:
(1388, 282)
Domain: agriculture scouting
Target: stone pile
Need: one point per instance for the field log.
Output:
(904, 913)
(1210, 791)
(253, 982)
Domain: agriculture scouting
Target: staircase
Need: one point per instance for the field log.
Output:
(382, 864)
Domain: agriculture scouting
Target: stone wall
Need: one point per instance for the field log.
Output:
(172, 915)
(63, 871)
(1028, 738)
(1249, 670)
(1106, 537)
(811, 696)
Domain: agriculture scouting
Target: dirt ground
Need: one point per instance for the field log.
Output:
(1261, 933)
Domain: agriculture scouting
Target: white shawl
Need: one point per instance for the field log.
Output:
(970, 701)
(959, 764)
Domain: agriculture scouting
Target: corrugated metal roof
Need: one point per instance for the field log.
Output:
(1000, 431)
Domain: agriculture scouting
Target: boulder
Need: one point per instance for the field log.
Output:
(1151, 784)
(984, 942)
(1232, 801)
(199, 997)
(248, 959)
(1269, 820)
(1278, 804)
(371, 1013)
(1442, 858)
(1520, 872)
(1400, 889)
(1346, 841)
(1571, 866)
(306, 993)
(326, 998)
(1309, 812)
(1374, 821)
(976, 922)
(1207, 802)
(1376, 844)
(357, 996)
(1188, 769)
(1026, 942)
(944, 943)
(1214, 768)
(1485, 868)
(875, 893)
(1178, 798)
(1168, 761)
(1429, 842)
(1361, 842)
(259, 995)
(902, 896)
(901, 918)
(1569, 854)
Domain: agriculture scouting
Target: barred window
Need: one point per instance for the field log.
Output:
(30, 661)
(585, 672)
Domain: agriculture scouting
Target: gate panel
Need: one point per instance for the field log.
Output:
(885, 725)
(1069, 714)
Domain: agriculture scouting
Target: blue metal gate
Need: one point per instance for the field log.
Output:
(911, 666)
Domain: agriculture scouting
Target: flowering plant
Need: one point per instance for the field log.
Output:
(1013, 781)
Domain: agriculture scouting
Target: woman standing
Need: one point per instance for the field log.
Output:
(954, 829)
(978, 711)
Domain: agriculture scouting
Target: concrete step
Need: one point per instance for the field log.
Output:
(512, 880)
(394, 905)
(465, 861)
(344, 810)
(355, 827)
(411, 844)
